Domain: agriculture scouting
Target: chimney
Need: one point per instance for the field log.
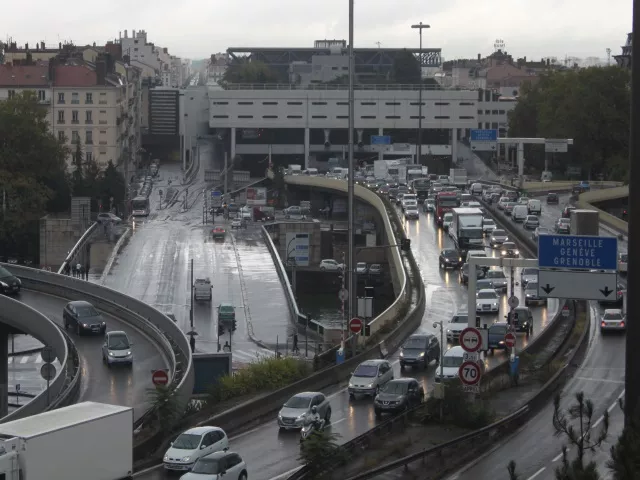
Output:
(125, 34)
(26, 46)
(525, 59)
(479, 57)
(548, 62)
(133, 34)
(165, 50)
(37, 46)
(101, 70)
(59, 45)
(52, 70)
(29, 59)
(120, 35)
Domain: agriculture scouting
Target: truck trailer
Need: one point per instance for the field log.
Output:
(458, 177)
(466, 229)
(84, 441)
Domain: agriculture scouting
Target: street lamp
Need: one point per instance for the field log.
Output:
(420, 26)
(441, 325)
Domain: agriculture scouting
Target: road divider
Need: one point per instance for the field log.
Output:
(114, 254)
(586, 200)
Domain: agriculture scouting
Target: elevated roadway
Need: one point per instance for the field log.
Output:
(271, 455)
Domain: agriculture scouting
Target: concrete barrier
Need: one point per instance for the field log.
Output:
(32, 322)
(114, 255)
(587, 200)
(86, 236)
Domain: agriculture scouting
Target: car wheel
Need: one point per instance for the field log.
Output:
(378, 414)
(323, 268)
(402, 366)
(352, 396)
(243, 476)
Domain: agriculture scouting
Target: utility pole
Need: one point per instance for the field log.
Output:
(420, 26)
(226, 173)
(191, 301)
(350, 266)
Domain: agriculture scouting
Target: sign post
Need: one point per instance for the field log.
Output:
(470, 374)
(48, 370)
(160, 378)
(484, 140)
(510, 340)
(556, 145)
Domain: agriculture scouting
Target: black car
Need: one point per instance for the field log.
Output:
(83, 318)
(496, 335)
(481, 272)
(398, 395)
(419, 350)
(9, 283)
(521, 319)
(509, 250)
(552, 198)
(450, 258)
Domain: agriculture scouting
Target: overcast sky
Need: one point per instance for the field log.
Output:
(462, 28)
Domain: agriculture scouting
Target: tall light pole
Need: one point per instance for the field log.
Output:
(350, 265)
(420, 26)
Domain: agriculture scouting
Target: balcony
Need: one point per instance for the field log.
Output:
(44, 101)
(89, 121)
(75, 122)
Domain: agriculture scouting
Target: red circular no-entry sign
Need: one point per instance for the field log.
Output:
(355, 325)
(510, 340)
(159, 377)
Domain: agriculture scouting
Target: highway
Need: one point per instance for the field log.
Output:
(270, 455)
(155, 268)
(116, 385)
(601, 377)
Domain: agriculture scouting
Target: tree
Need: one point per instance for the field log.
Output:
(317, 449)
(165, 404)
(250, 72)
(113, 185)
(580, 436)
(406, 68)
(624, 463)
(591, 106)
(78, 185)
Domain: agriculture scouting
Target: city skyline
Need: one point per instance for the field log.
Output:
(543, 28)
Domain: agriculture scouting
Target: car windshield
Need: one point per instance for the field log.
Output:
(187, 441)
(552, 196)
(209, 466)
(4, 273)
(118, 342)
(452, 361)
(226, 309)
(498, 330)
(499, 233)
(87, 311)
(375, 266)
(450, 253)
(623, 258)
(508, 246)
(542, 230)
(415, 342)
(488, 221)
(298, 401)
(361, 265)
(396, 388)
(613, 316)
(564, 221)
(366, 371)
(460, 319)
(448, 217)
(530, 271)
(495, 274)
(532, 286)
(487, 295)
(532, 219)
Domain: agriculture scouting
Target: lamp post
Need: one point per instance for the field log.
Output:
(351, 125)
(441, 325)
(420, 26)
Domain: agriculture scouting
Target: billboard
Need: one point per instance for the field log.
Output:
(208, 369)
(256, 196)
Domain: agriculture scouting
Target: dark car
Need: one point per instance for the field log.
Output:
(9, 283)
(464, 273)
(552, 198)
(419, 350)
(617, 299)
(531, 296)
(450, 258)
(521, 319)
(83, 318)
(398, 395)
(497, 332)
(566, 213)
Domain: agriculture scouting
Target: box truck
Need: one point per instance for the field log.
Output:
(458, 177)
(466, 229)
(84, 441)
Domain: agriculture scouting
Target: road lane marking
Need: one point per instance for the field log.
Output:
(605, 380)
(537, 473)
(557, 457)
(286, 474)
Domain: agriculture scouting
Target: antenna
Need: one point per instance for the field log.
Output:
(498, 45)
(378, 43)
(608, 57)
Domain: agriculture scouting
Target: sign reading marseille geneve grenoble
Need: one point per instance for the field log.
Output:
(578, 252)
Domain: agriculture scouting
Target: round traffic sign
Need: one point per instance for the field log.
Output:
(355, 325)
(48, 354)
(513, 302)
(565, 311)
(469, 373)
(510, 340)
(47, 371)
(343, 295)
(470, 339)
(160, 377)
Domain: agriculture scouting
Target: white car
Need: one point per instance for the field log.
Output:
(529, 274)
(117, 349)
(362, 268)
(237, 223)
(487, 301)
(411, 213)
(225, 464)
(246, 213)
(623, 260)
(105, 217)
(330, 265)
(458, 323)
(613, 320)
(447, 221)
(488, 225)
(193, 444)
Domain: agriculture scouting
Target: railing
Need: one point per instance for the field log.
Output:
(326, 86)
(86, 236)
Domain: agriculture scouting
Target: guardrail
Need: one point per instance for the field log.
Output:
(76, 248)
(151, 322)
(32, 322)
(331, 87)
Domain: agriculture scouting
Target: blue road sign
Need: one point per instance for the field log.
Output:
(380, 140)
(215, 193)
(478, 135)
(577, 252)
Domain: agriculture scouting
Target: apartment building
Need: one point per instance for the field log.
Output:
(94, 104)
(216, 67)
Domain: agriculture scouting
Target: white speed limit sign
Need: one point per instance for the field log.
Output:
(469, 373)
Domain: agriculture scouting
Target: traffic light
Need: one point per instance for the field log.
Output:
(405, 244)
(220, 330)
(234, 325)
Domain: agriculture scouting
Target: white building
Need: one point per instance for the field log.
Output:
(216, 67)
(140, 50)
(377, 112)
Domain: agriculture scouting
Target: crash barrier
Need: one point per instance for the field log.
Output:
(32, 322)
(151, 322)
(114, 254)
(74, 375)
(469, 446)
(396, 267)
(587, 200)
(73, 253)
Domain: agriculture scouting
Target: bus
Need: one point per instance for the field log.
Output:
(445, 202)
(140, 207)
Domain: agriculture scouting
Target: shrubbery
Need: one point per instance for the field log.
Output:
(266, 374)
(458, 409)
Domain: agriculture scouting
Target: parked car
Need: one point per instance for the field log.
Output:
(487, 301)
(397, 396)
(369, 377)
(531, 222)
(193, 444)
(331, 265)
(375, 269)
(117, 349)
(563, 225)
(539, 231)
(83, 317)
(418, 351)
(613, 320)
(9, 283)
(509, 250)
(531, 296)
(552, 198)
(296, 411)
(449, 258)
(361, 268)
(498, 237)
(496, 335)
(223, 464)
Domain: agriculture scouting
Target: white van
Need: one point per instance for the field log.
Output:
(475, 253)
(340, 172)
(451, 362)
(476, 189)
(312, 172)
(519, 213)
(535, 207)
(202, 289)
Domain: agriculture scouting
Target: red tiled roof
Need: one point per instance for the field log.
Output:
(74, 76)
(23, 76)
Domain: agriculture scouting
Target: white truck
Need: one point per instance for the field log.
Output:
(414, 172)
(84, 441)
(202, 290)
(458, 177)
(390, 170)
(466, 229)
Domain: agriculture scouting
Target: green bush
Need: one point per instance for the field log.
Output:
(458, 408)
(266, 374)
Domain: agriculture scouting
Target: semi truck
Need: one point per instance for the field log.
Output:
(421, 188)
(458, 177)
(466, 229)
(87, 440)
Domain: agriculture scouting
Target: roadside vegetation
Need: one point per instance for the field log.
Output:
(458, 408)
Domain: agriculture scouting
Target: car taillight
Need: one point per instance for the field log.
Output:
(622, 324)
(603, 324)
(620, 293)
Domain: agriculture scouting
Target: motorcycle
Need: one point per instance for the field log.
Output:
(310, 428)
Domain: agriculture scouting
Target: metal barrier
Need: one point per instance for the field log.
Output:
(76, 248)
(32, 322)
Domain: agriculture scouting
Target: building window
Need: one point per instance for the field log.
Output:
(42, 95)
(342, 103)
(368, 103)
(60, 97)
(221, 103)
(60, 116)
(394, 103)
(479, 112)
(494, 112)
(221, 116)
(61, 138)
(501, 112)
(368, 117)
(442, 103)
(103, 98)
(465, 117)
(245, 103)
(269, 103)
(88, 137)
(342, 116)
(494, 125)
(441, 117)
(269, 116)
(88, 116)
(245, 116)
(467, 104)
(487, 112)
(12, 93)
(75, 137)
(88, 156)
(416, 117)
(393, 117)
(74, 116)
(318, 103)
(75, 98)
(294, 103)
(294, 116)
(417, 103)
(88, 98)
(318, 116)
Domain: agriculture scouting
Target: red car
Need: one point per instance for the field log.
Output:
(218, 232)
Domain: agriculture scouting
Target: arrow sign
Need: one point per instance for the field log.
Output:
(578, 285)
(548, 289)
(606, 292)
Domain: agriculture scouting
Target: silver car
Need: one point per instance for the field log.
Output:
(613, 320)
(369, 377)
(296, 413)
(528, 275)
(362, 268)
(498, 278)
(498, 237)
(117, 349)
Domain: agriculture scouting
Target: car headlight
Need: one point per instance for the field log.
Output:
(111, 354)
(350, 385)
(421, 354)
(370, 385)
(129, 352)
(501, 342)
(448, 331)
(302, 417)
(19, 281)
(84, 325)
(503, 252)
(165, 458)
(495, 304)
(402, 354)
(517, 252)
(4, 285)
(185, 459)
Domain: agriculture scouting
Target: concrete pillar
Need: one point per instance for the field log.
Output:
(4, 371)
(233, 143)
(307, 140)
(381, 153)
(454, 145)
